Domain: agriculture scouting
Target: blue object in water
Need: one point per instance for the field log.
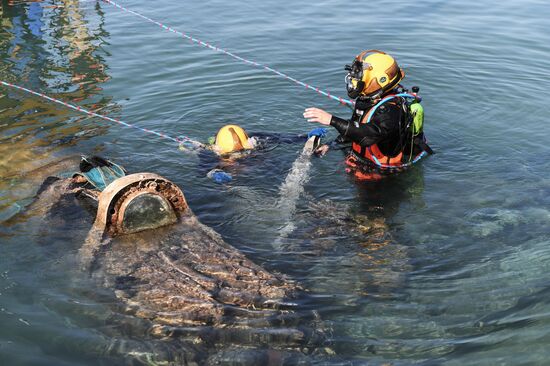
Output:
(320, 131)
(219, 176)
(99, 172)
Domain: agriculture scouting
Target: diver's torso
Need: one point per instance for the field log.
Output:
(388, 119)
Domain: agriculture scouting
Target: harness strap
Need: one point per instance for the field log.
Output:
(373, 153)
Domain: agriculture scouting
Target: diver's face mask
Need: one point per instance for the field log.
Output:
(354, 79)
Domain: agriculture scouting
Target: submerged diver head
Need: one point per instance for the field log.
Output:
(372, 74)
(231, 138)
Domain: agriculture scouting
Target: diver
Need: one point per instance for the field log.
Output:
(385, 130)
(232, 143)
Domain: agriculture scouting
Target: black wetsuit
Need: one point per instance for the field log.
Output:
(384, 129)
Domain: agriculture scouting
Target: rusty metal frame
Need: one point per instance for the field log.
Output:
(114, 199)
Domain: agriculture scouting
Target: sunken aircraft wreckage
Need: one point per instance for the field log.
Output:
(194, 290)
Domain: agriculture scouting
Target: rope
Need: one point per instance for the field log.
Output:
(237, 57)
(180, 140)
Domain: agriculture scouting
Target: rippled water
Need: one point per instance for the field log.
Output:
(443, 264)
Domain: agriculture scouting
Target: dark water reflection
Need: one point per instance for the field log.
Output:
(444, 264)
(51, 47)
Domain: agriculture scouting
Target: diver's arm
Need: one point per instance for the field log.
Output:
(341, 125)
(380, 127)
(278, 137)
(191, 146)
(325, 118)
(317, 115)
(364, 135)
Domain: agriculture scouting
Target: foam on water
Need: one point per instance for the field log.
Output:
(290, 192)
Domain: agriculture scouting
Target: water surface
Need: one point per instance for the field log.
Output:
(455, 269)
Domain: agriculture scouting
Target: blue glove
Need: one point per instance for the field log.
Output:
(320, 131)
(219, 176)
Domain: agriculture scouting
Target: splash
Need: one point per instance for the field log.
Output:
(291, 190)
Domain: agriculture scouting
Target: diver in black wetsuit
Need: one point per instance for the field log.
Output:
(232, 143)
(385, 137)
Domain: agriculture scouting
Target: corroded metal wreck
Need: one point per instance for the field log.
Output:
(184, 280)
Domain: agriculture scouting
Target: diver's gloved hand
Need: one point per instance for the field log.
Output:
(219, 176)
(322, 150)
(188, 144)
(320, 132)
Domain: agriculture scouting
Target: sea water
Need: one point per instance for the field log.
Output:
(445, 263)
